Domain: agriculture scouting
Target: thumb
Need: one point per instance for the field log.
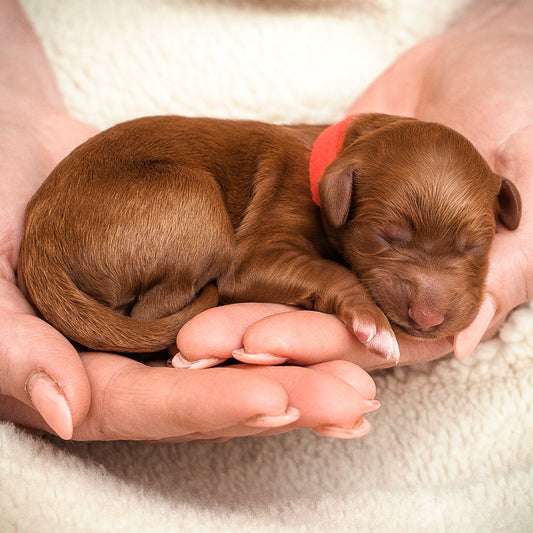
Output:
(507, 286)
(40, 368)
(466, 341)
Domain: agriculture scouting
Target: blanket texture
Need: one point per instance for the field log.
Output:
(451, 448)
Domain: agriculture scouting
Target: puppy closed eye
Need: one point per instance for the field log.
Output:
(395, 236)
(472, 246)
(475, 248)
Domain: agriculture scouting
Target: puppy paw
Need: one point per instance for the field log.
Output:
(377, 335)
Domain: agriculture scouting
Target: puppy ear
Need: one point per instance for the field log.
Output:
(335, 189)
(509, 205)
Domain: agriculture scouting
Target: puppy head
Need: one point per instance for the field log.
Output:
(412, 207)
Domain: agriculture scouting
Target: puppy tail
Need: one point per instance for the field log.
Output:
(93, 324)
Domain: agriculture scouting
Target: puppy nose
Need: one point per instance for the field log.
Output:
(425, 319)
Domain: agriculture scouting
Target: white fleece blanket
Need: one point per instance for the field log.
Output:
(451, 448)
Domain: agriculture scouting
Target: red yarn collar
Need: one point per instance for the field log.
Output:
(325, 149)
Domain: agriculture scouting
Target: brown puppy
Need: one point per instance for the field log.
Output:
(154, 220)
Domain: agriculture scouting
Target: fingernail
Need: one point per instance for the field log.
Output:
(178, 361)
(463, 347)
(273, 421)
(466, 341)
(361, 428)
(46, 396)
(464, 344)
(258, 358)
(371, 405)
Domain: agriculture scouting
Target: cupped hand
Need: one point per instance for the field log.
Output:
(39, 369)
(38, 366)
(46, 385)
(476, 78)
(134, 401)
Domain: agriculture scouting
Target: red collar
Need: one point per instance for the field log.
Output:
(325, 149)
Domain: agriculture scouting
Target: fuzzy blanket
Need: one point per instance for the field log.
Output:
(451, 448)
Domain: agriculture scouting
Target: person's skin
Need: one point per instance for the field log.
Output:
(46, 385)
(457, 79)
(476, 78)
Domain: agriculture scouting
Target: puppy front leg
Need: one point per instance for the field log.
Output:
(292, 278)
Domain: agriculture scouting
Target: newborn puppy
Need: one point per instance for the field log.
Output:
(154, 220)
(411, 207)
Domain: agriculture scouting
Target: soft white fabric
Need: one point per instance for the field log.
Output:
(451, 447)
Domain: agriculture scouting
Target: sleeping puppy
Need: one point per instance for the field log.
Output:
(154, 220)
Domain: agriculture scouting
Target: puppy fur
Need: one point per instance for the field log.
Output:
(154, 220)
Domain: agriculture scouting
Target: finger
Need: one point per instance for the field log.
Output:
(331, 398)
(304, 338)
(211, 337)
(269, 334)
(350, 406)
(466, 341)
(352, 374)
(310, 337)
(39, 367)
(134, 401)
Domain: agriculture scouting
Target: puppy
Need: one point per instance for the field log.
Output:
(154, 220)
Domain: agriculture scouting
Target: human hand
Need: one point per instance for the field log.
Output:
(38, 366)
(134, 401)
(475, 78)
(46, 385)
